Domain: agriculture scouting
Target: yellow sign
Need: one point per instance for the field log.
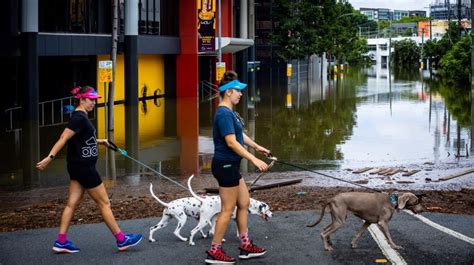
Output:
(220, 70)
(288, 70)
(105, 71)
(289, 100)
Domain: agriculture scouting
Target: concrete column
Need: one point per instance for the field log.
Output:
(243, 19)
(30, 92)
(131, 83)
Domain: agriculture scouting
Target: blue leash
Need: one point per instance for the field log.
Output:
(124, 153)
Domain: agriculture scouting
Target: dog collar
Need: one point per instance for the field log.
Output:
(394, 200)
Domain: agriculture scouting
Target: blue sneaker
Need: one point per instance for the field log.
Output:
(129, 241)
(67, 247)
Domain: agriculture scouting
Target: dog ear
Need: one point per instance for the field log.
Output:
(402, 200)
(420, 196)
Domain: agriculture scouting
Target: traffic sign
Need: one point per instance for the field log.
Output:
(105, 71)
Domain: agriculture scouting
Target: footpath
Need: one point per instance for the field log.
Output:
(285, 236)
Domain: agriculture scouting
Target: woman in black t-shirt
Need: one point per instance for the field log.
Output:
(80, 136)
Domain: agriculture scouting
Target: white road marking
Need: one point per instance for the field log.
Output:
(392, 255)
(442, 228)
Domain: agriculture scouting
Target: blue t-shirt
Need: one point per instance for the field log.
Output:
(226, 122)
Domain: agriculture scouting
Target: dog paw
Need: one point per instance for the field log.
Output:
(184, 239)
(223, 240)
(204, 236)
(354, 245)
(192, 243)
(151, 240)
(329, 248)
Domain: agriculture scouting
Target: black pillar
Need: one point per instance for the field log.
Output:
(131, 101)
(131, 83)
(30, 93)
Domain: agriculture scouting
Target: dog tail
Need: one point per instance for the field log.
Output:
(320, 217)
(191, 190)
(156, 198)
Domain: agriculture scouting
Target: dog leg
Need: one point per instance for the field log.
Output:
(212, 224)
(201, 224)
(358, 234)
(328, 239)
(181, 222)
(384, 227)
(204, 235)
(325, 235)
(163, 223)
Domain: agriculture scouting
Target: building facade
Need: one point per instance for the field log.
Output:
(51, 46)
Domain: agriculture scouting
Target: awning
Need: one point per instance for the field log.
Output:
(231, 45)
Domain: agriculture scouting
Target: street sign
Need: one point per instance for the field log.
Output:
(288, 70)
(105, 71)
(220, 70)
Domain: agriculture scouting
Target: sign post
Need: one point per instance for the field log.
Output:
(105, 76)
(220, 70)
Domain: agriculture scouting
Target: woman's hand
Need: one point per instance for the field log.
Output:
(262, 150)
(103, 142)
(262, 166)
(43, 163)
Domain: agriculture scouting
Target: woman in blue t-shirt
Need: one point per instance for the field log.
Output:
(229, 140)
(82, 154)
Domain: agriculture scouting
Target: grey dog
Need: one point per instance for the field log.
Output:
(373, 208)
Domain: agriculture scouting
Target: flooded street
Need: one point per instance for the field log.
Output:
(364, 119)
(361, 118)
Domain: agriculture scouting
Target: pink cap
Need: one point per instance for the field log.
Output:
(90, 94)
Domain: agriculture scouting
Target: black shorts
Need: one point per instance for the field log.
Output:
(227, 173)
(86, 175)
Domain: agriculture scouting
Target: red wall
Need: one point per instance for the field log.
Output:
(187, 88)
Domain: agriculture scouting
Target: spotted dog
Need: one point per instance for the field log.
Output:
(211, 206)
(179, 209)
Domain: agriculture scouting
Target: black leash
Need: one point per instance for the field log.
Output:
(319, 173)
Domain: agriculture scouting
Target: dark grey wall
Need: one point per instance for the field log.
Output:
(77, 45)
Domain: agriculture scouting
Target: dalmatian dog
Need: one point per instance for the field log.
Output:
(180, 209)
(211, 206)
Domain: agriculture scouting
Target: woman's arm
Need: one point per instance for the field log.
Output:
(65, 136)
(233, 144)
(249, 142)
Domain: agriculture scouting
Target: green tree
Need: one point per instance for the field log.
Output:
(412, 19)
(408, 32)
(289, 30)
(307, 27)
(436, 49)
(406, 53)
(455, 66)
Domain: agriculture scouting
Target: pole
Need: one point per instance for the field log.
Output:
(219, 33)
(112, 173)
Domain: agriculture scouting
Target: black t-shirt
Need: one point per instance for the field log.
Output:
(82, 147)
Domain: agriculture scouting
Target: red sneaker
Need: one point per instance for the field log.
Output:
(218, 257)
(251, 251)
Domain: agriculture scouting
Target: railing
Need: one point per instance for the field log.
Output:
(209, 91)
(51, 113)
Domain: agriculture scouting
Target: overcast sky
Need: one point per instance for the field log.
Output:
(393, 4)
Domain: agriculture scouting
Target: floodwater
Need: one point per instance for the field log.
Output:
(368, 117)
(362, 117)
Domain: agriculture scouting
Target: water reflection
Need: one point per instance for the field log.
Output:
(367, 117)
